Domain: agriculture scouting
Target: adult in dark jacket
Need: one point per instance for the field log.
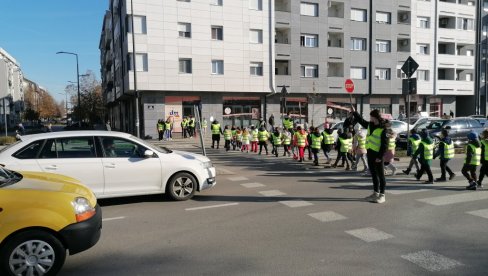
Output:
(445, 152)
(425, 153)
(376, 145)
(216, 131)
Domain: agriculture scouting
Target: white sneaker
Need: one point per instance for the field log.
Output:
(393, 171)
(380, 199)
(372, 197)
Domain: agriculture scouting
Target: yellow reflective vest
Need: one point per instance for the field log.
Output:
(328, 138)
(428, 151)
(373, 140)
(475, 157)
(346, 144)
(215, 128)
(316, 141)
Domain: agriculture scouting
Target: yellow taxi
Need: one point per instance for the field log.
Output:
(42, 216)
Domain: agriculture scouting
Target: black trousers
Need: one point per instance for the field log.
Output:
(227, 145)
(425, 168)
(342, 156)
(286, 149)
(327, 149)
(215, 138)
(275, 149)
(261, 145)
(445, 168)
(483, 172)
(469, 171)
(160, 134)
(315, 153)
(377, 170)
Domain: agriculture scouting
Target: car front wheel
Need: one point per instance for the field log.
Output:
(32, 253)
(182, 186)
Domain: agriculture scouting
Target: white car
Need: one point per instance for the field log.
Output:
(112, 164)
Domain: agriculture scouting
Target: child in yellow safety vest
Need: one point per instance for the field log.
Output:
(227, 137)
(316, 138)
(412, 146)
(472, 161)
(426, 153)
(263, 136)
(276, 138)
(286, 139)
(343, 145)
(233, 141)
(300, 141)
(484, 158)
(254, 139)
(246, 138)
(445, 151)
(238, 138)
(359, 146)
(327, 143)
(389, 156)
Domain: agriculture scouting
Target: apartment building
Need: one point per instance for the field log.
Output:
(481, 67)
(231, 57)
(11, 90)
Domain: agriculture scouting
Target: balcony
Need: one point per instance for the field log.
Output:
(403, 45)
(283, 6)
(283, 51)
(282, 68)
(335, 40)
(336, 9)
(282, 19)
(282, 35)
(404, 17)
(335, 69)
(455, 88)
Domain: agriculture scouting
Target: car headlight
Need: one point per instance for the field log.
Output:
(83, 209)
(207, 164)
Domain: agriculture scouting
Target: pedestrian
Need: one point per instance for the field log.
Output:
(412, 146)
(234, 137)
(254, 139)
(359, 146)
(271, 122)
(425, 151)
(286, 138)
(300, 141)
(167, 130)
(445, 151)
(239, 138)
(376, 144)
(263, 137)
(316, 145)
(191, 126)
(288, 122)
(276, 138)
(389, 157)
(227, 137)
(21, 129)
(484, 158)
(49, 127)
(216, 131)
(107, 126)
(204, 127)
(472, 161)
(343, 145)
(262, 123)
(309, 144)
(327, 142)
(451, 114)
(184, 126)
(349, 122)
(160, 129)
(246, 137)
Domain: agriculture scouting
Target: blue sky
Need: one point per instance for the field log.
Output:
(32, 31)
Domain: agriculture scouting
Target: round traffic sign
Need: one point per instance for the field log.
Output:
(349, 85)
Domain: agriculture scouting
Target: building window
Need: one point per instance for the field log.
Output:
(423, 49)
(423, 75)
(256, 5)
(383, 46)
(358, 15)
(469, 53)
(423, 22)
(382, 73)
(469, 77)
(217, 67)
(309, 40)
(256, 36)
(383, 17)
(217, 33)
(256, 68)
(216, 2)
(358, 44)
(185, 65)
(309, 9)
(358, 73)
(309, 71)
(184, 0)
(139, 24)
(141, 62)
(465, 24)
(184, 30)
(401, 74)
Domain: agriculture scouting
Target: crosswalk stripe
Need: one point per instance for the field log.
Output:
(296, 203)
(453, 199)
(369, 234)
(238, 178)
(480, 213)
(272, 193)
(253, 185)
(327, 216)
(431, 261)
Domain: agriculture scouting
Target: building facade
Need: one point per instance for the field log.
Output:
(11, 91)
(232, 58)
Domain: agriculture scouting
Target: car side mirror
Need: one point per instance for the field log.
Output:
(148, 154)
(447, 127)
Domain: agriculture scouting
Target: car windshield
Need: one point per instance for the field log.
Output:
(436, 124)
(396, 124)
(151, 146)
(8, 177)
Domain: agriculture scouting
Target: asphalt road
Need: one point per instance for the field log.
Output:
(274, 216)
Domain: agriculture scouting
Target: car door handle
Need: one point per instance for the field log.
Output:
(110, 166)
(51, 167)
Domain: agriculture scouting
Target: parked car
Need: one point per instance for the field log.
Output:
(422, 123)
(458, 129)
(43, 215)
(112, 164)
(399, 126)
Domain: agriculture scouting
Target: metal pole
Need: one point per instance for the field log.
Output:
(199, 127)
(5, 117)
(408, 103)
(136, 93)
(79, 95)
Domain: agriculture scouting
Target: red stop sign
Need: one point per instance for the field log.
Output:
(349, 85)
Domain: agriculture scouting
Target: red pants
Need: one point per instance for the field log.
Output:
(301, 152)
(254, 146)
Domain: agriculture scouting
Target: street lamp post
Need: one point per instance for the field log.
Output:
(78, 84)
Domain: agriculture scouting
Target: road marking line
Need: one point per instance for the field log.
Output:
(115, 218)
(404, 190)
(453, 199)
(237, 178)
(272, 193)
(211, 206)
(253, 185)
(369, 234)
(296, 203)
(431, 261)
(480, 213)
(327, 216)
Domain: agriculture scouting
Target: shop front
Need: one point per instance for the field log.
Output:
(176, 108)
(241, 111)
(297, 107)
(435, 107)
(339, 107)
(382, 104)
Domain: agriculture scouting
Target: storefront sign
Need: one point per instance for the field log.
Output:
(227, 110)
(174, 112)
